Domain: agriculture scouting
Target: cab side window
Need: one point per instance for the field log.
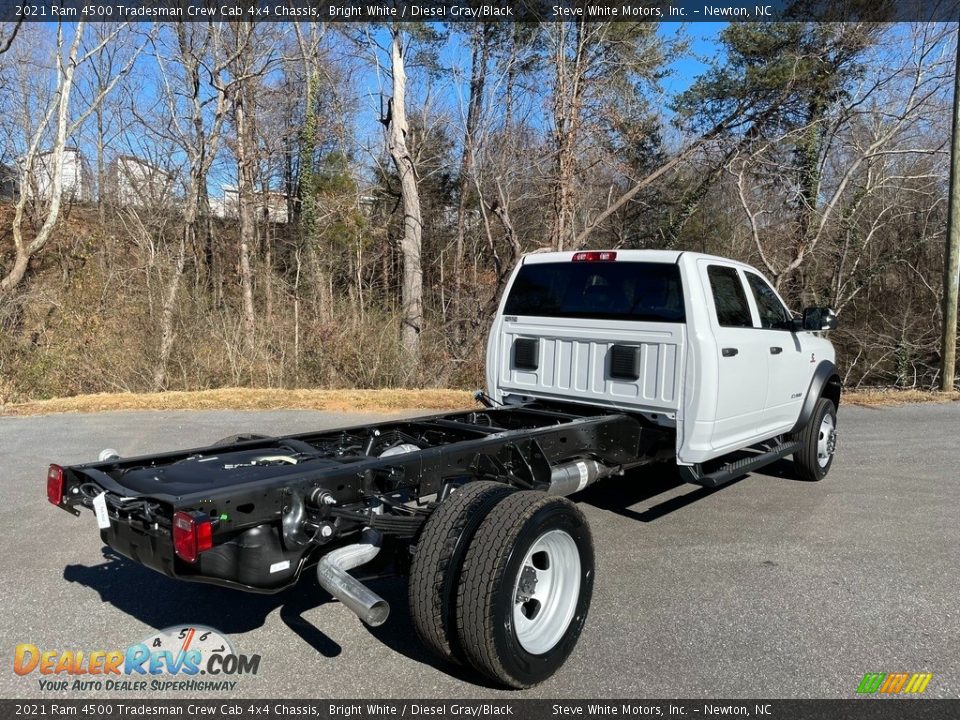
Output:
(729, 298)
(773, 315)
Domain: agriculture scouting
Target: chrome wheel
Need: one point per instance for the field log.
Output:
(826, 440)
(546, 592)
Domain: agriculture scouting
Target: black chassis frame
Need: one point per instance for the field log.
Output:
(518, 445)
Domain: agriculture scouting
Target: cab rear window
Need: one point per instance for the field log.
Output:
(650, 292)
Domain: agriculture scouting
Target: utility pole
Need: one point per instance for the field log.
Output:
(951, 260)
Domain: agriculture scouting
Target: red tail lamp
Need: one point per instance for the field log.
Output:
(192, 534)
(55, 484)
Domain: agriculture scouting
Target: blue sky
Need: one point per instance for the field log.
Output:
(702, 46)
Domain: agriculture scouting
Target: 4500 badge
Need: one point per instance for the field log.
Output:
(190, 651)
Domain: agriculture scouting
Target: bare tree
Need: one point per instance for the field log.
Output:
(198, 52)
(68, 58)
(597, 68)
(481, 46)
(395, 122)
(7, 36)
(106, 115)
(910, 92)
(244, 118)
(951, 270)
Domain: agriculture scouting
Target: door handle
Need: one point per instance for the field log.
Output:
(729, 352)
(776, 350)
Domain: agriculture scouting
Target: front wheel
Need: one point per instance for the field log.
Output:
(525, 588)
(819, 440)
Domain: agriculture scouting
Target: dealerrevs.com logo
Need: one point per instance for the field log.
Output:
(894, 683)
(189, 658)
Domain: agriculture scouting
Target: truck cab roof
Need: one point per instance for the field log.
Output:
(657, 256)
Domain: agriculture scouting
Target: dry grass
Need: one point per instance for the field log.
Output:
(385, 401)
(375, 401)
(880, 397)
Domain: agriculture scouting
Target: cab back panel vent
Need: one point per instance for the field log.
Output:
(526, 353)
(625, 362)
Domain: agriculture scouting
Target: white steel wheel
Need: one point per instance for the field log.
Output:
(826, 440)
(546, 592)
(525, 588)
(818, 442)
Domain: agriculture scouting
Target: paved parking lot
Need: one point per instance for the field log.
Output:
(768, 587)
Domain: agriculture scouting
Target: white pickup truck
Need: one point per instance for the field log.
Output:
(599, 362)
(695, 343)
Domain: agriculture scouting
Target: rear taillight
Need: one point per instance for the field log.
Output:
(55, 484)
(594, 256)
(192, 535)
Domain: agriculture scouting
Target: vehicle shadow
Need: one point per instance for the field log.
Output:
(398, 634)
(160, 602)
(619, 495)
(782, 469)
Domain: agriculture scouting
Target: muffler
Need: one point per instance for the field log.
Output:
(332, 572)
(575, 476)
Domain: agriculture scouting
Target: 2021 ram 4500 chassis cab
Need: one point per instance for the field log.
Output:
(598, 362)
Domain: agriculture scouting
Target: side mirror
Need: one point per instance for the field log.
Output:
(816, 319)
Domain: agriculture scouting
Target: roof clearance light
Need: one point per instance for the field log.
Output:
(594, 256)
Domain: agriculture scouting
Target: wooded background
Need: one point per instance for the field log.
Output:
(382, 181)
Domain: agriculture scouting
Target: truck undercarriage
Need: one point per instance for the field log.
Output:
(260, 510)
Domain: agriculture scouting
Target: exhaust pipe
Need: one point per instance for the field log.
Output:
(334, 578)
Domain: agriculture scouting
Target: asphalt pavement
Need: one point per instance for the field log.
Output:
(768, 587)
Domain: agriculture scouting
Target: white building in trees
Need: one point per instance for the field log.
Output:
(135, 182)
(77, 181)
(271, 206)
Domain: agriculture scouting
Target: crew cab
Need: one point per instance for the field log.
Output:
(599, 362)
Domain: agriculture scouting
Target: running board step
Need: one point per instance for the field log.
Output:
(730, 471)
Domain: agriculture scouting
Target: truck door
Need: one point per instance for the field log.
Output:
(741, 356)
(788, 360)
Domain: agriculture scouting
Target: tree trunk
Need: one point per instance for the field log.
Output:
(568, 98)
(478, 77)
(101, 170)
(187, 239)
(268, 269)
(243, 116)
(951, 262)
(411, 296)
(167, 333)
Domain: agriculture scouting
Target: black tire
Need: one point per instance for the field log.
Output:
(810, 466)
(241, 437)
(491, 579)
(435, 569)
